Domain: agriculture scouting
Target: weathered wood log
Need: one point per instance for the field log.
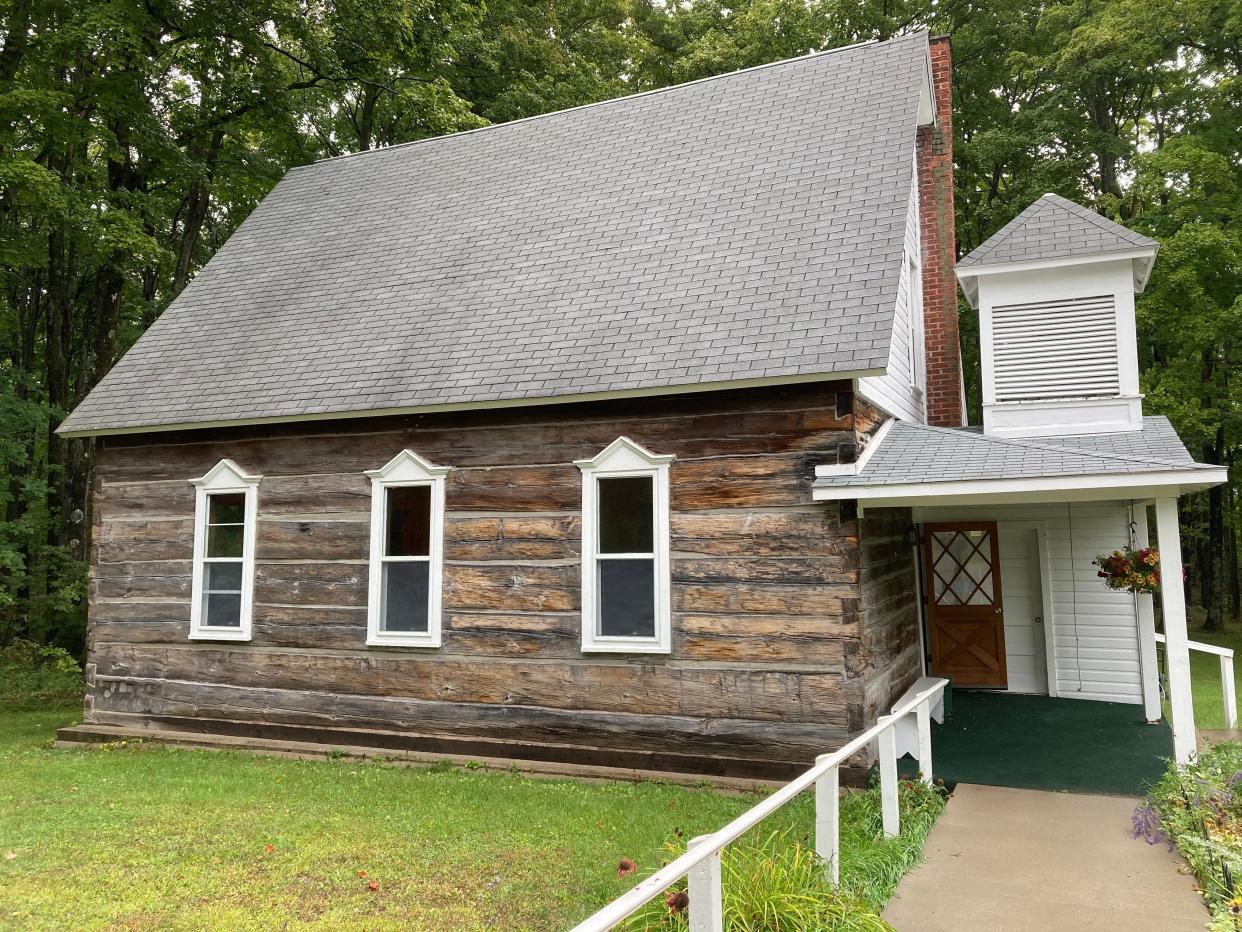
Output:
(142, 587)
(721, 736)
(730, 692)
(771, 421)
(832, 570)
(765, 598)
(312, 540)
(512, 587)
(512, 537)
(335, 584)
(744, 481)
(747, 533)
(163, 539)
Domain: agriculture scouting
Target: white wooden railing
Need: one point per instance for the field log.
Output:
(1227, 682)
(896, 735)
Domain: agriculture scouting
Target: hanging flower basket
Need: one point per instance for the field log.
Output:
(1130, 570)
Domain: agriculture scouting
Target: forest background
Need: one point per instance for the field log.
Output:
(135, 137)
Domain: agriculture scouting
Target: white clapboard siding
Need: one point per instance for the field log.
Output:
(1095, 629)
(897, 391)
(1056, 349)
(1022, 602)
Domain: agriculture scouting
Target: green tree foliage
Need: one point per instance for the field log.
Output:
(134, 138)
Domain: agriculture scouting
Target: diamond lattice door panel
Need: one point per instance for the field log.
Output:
(965, 620)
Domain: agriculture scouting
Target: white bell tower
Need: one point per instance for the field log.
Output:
(1055, 292)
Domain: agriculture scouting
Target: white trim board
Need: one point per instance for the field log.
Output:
(541, 400)
(856, 467)
(1033, 490)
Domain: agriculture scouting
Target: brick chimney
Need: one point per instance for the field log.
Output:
(945, 399)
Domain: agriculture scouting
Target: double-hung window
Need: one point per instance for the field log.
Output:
(407, 520)
(625, 552)
(223, 577)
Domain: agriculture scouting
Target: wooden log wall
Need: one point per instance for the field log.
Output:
(767, 627)
(890, 661)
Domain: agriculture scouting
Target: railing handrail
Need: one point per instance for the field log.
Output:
(1228, 692)
(1202, 647)
(708, 845)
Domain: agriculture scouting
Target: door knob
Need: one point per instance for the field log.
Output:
(1038, 620)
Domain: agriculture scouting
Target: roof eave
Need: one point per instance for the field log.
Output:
(68, 431)
(1142, 259)
(1162, 483)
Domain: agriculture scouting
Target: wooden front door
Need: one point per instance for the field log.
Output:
(965, 620)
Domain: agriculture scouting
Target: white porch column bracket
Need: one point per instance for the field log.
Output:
(1148, 662)
(706, 903)
(828, 820)
(888, 781)
(1177, 646)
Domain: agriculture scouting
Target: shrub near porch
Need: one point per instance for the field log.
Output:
(147, 837)
(1198, 808)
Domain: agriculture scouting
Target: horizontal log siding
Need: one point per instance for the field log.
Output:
(889, 662)
(765, 592)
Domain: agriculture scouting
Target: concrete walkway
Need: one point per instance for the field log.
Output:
(1007, 860)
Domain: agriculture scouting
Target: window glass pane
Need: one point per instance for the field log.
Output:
(625, 515)
(225, 541)
(404, 606)
(409, 521)
(627, 598)
(222, 610)
(226, 508)
(223, 577)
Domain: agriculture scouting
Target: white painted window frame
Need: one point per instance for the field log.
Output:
(623, 458)
(225, 478)
(405, 469)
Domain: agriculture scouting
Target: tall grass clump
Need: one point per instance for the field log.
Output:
(32, 675)
(1197, 808)
(772, 880)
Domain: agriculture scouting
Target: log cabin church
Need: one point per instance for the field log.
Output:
(632, 436)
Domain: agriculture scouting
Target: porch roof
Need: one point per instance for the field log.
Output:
(908, 463)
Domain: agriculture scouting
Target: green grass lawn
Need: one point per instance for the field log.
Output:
(1205, 674)
(142, 837)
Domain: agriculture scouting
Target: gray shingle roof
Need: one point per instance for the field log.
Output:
(1054, 228)
(915, 453)
(747, 226)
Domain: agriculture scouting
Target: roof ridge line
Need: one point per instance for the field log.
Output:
(822, 53)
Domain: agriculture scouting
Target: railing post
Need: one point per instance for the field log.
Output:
(923, 713)
(1229, 690)
(706, 904)
(888, 781)
(827, 820)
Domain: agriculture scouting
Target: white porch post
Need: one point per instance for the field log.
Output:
(1147, 630)
(1177, 650)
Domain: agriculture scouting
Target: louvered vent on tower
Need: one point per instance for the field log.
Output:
(1056, 349)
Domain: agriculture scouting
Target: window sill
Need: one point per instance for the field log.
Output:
(425, 643)
(624, 647)
(219, 635)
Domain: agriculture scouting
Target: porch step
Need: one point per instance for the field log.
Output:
(474, 753)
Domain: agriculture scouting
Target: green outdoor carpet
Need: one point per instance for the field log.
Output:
(1036, 742)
